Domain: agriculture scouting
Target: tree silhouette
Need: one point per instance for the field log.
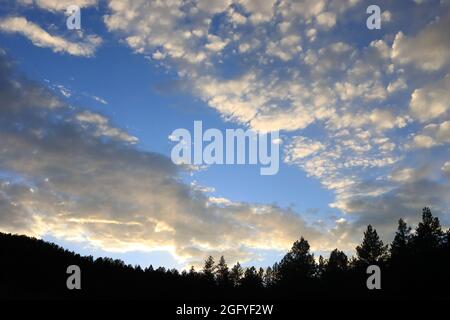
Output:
(236, 275)
(269, 278)
(209, 269)
(372, 250)
(320, 268)
(297, 266)
(337, 262)
(252, 279)
(223, 273)
(416, 266)
(428, 234)
(401, 242)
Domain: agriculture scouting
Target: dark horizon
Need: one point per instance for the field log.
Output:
(414, 266)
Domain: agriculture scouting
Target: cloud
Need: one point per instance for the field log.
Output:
(102, 126)
(423, 141)
(100, 100)
(429, 50)
(446, 169)
(386, 208)
(58, 5)
(432, 100)
(198, 53)
(216, 43)
(302, 147)
(440, 131)
(42, 38)
(432, 135)
(259, 11)
(326, 20)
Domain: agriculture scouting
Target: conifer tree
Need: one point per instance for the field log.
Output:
(223, 273)
(338, 261)
(236, 274)
(401, 240)
(372, 250)
(209, 268)
(298, 263)
(428, 234)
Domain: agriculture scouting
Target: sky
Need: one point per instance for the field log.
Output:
(86, 118)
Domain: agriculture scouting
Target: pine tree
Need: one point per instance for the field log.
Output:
(401, 242)
(149, 269)
(298, 263)
(428, 234)
(192, 271)
(268, 277)
(209, 268)
(338, 261)
(252, 279)
(275, 273)
(321, 267)
(261, 274)
(236, 274)
(223, 273)
(192, 274)
(372, 250)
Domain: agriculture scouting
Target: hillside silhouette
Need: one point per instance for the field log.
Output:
(415, 265)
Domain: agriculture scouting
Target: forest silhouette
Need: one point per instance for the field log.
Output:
(415, 265)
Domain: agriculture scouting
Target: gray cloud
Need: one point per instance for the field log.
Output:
(428, 50)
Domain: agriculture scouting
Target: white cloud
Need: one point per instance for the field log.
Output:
(446, 167)
(384, 119)
(261, 11)
(403, 175)
(397, 85)
(432, 135)
(58, 5)
(431, 101)
(386, 16)
(215, 43)
(99, 99)
(237, 17)
(306, 9)
(422, 141)
(301, 147)
(103, 128)
(326, 20)
(429, 50)
(42, 38)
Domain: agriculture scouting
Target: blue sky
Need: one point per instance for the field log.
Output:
(363, 116)
(146, 101)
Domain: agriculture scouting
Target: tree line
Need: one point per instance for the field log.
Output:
(416, 264)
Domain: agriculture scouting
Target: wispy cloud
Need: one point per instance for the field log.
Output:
(42, 38)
